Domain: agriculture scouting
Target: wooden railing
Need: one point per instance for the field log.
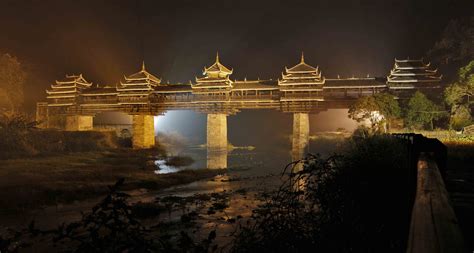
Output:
(433, 225)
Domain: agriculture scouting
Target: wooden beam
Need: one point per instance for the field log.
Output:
(434, 227)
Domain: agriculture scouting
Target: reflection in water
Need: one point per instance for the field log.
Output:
(216, 159)
(300, 138)
(162, 168)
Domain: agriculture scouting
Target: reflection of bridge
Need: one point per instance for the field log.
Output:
(301, 90)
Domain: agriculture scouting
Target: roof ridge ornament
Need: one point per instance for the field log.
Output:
(302, 57)
(217, 56)
(143, 66)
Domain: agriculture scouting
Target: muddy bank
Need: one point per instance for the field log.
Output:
(31, 183)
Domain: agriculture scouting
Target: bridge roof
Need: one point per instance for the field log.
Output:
(217, 67)
(143, 75)
(255, 85)
(411, 64)
(412, 71)
(301, 67)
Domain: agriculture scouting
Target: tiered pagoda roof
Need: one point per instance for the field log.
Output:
(412, 73)
(302, 77)
(216, 78)
(69, 88)
(138, 84)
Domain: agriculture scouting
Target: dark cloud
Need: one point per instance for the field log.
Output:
(109, 38)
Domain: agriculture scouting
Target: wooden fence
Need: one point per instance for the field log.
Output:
(433, 226)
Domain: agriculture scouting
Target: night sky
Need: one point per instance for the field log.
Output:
(106, 39)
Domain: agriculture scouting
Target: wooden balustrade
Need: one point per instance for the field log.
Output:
(434, 227)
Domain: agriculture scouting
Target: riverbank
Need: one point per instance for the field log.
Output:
(30, 183)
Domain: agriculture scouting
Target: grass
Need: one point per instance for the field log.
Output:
(30, 183)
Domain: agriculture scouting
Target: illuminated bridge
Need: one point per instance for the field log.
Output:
(302, 89)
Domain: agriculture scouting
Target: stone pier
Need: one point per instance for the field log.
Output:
(216, 141)
(79, 123)
(143, 131)
(300, 138)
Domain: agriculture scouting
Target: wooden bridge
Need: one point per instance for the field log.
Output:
(302, 89)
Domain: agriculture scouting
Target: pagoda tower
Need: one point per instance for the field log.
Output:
(300, 81)
(412, 74)
(215, 81)
(136, 88)
(66, 92)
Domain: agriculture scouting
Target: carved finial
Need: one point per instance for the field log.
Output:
(338, 77)
(302, 57)
(143, 65)
(217, 56)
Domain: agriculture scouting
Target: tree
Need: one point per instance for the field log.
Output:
(458, 97)
(378, 109)
(422, 112)
(388, 106)
(455, 43)
(12, 80)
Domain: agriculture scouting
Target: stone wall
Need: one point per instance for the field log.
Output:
(143, 131)
(216, 141)
(79, 123)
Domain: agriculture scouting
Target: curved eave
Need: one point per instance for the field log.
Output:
(210, 87)
(148, 84)
(60, 96)
(63, 87)
(313, 75)
(309, 68)
(389, 80)
(148, 77)
(395, 73)
(284, 83)
(61, 92)
(217, 67)
(212, 80)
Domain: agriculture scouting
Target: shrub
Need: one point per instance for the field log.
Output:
(19, 137)
(350, 202)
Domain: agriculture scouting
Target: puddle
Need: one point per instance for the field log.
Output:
(162, 168)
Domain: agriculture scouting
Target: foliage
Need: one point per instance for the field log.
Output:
(460, 117)
(365, 108)
(14, 129)
(421, 112)
(112, 226)
(455, 43)
(458, 96)
(19, 137)
(12, 80)
(388, 106)
(338, 204)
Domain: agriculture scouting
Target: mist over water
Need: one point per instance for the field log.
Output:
(261, 138)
